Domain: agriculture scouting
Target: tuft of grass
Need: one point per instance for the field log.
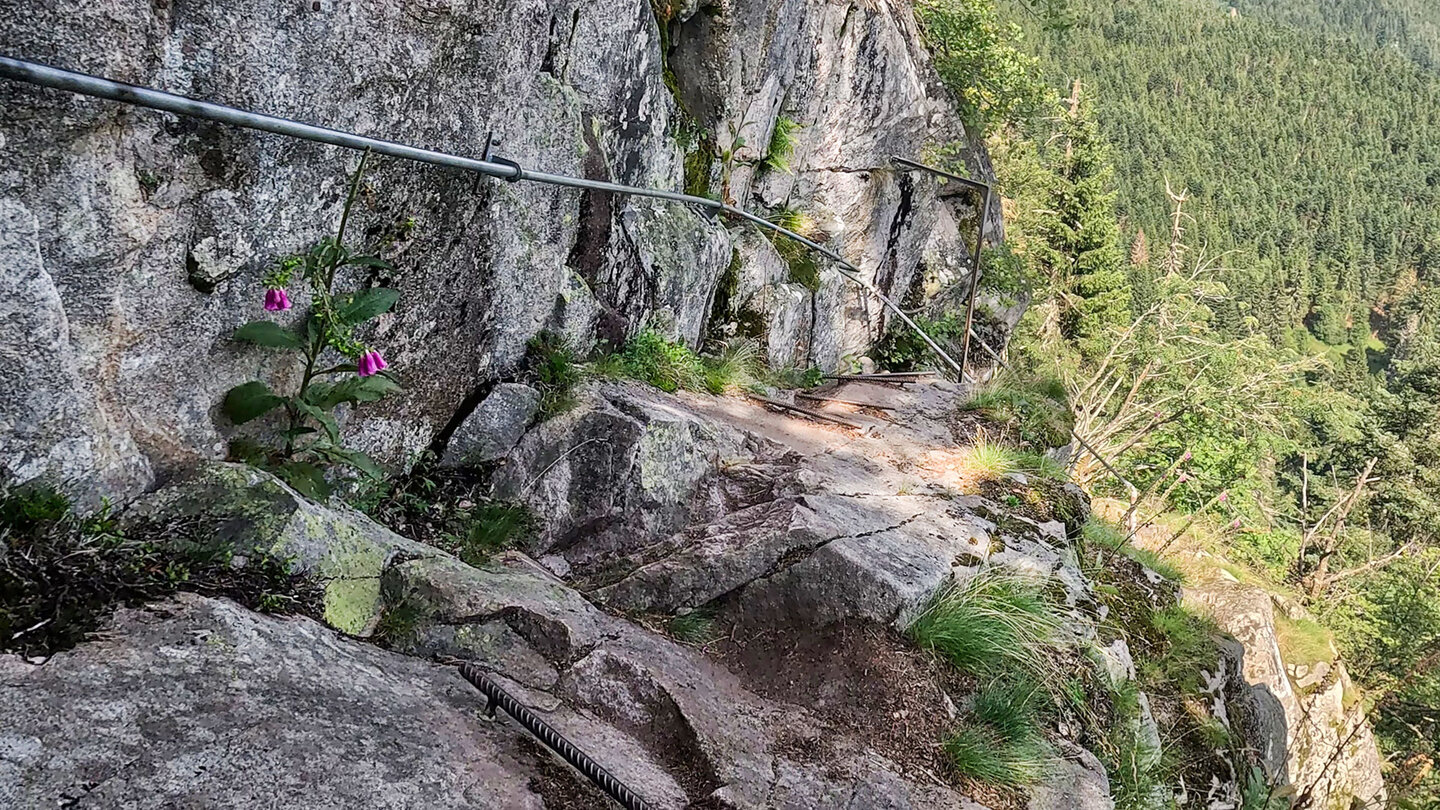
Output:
(1037, 409)
(1181, 645)
(991, 459)
(782, 145)
(494, 527)
(696, 627)
(1131, 760)
(804, 264)
(737, 366)
(990, 623)
(552, 364)
(1303, 641)
(1037, 463)
(1002, 744)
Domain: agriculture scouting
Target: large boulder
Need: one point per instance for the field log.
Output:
(1314, 737)
(200, 703)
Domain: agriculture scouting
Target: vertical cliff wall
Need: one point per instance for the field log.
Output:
(132, 242)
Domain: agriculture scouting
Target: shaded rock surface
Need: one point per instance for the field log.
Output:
(133, 242)
(1308, 736)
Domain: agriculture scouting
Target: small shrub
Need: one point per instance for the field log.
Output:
(668, 366)
(1003, 744)
(990, 623)
(552, 366)
(1038, 410)
(903, 350)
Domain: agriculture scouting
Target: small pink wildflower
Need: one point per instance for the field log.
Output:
(276, 300)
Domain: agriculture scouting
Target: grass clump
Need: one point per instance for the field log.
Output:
(1132, 761)
(696, 627)
(991, 459)
(803, 262)
(493, 528)
(1002, 743)
(1303, 641)
(782, 145)
(1037, 409)
(991, 623)
(62, 573)
(556, 372)
(1181, 644)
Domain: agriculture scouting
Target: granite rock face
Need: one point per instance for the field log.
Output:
(133, 241)
(1307, 735)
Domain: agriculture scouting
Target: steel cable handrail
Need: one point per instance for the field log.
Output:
(57, 78)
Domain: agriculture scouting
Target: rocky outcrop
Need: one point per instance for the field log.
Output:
(133, 242)
(1298, 715)
(717, 511)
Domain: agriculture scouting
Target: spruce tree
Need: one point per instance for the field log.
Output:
(1081, 247)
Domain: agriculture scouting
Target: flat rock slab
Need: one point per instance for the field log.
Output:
(207, 704)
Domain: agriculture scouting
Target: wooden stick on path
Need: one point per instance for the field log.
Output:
(824, 417)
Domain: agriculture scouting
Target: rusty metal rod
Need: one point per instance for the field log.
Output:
(552, 739)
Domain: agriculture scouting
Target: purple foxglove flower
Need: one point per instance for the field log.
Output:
(380, 364)
(1236, 524)
(1224, 496)
(1185, 457)
(366, 366)
(276, 300)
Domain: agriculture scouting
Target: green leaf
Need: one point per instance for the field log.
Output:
(268, 333)
(306, 478)
(249, 401)
(368, 304)
(354, 458)
(359, 389)
(326, 420)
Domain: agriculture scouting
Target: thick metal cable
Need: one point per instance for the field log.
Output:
(602, 778)
(46, 76)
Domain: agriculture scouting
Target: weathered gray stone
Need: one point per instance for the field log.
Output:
(1077, 783)
(249, 512)
(202, 703)
(1303, 739)
(623, 466)
(495, 426)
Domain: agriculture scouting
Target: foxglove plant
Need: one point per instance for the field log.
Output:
(327, 334)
